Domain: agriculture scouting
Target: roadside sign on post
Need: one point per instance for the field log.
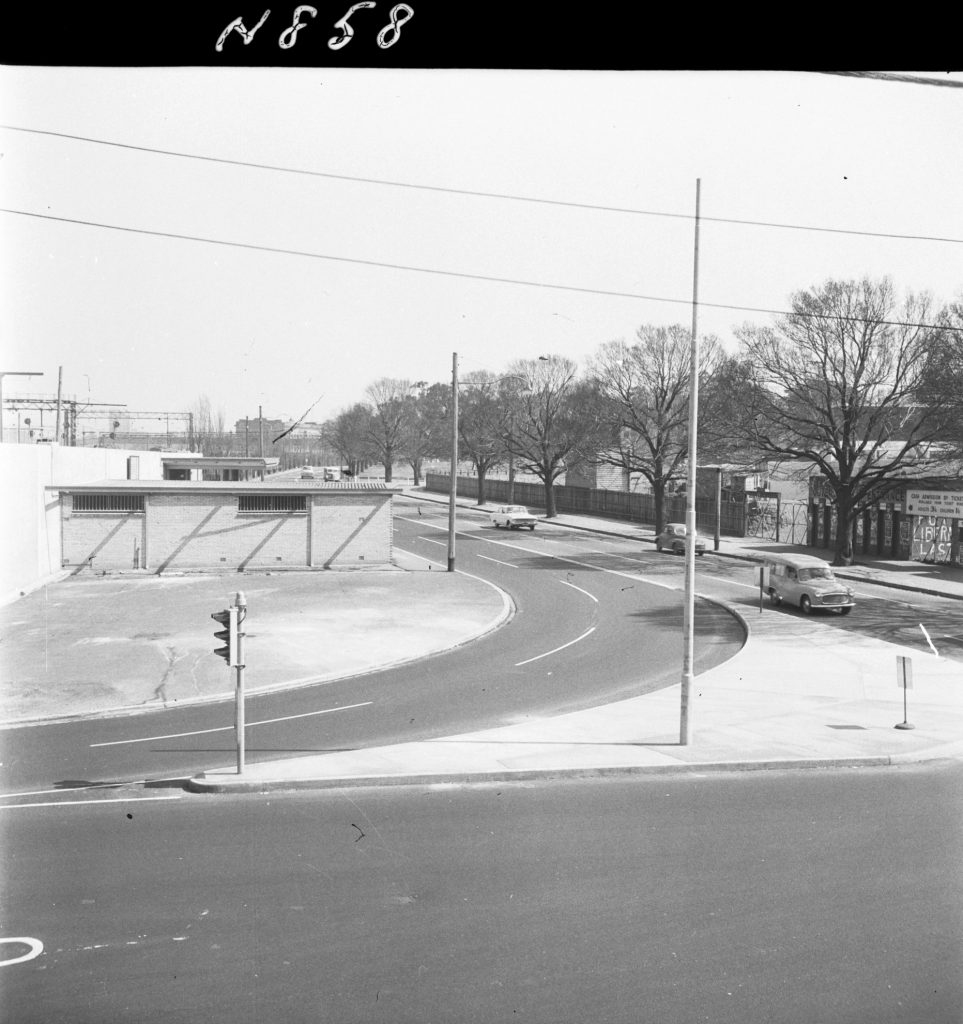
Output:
(904, 679)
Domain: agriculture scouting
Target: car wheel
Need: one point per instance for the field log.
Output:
(846, 610)
(774, 597)
(532, 527)
(658, 546)
(679, 549)
(806, 604)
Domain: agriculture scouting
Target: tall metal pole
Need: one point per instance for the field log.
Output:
(60, 381)
(240, 603)
(688, 617)
(454, 462)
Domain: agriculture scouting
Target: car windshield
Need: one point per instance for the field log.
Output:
(820, 572)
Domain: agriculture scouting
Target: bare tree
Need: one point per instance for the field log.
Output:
(424, 433)
(210, 437)
(391, 409)
(348, 434)
(840, 382)
(483, 412)
(556, 420)
(644, 393)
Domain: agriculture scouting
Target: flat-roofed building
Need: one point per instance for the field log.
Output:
(170, 525)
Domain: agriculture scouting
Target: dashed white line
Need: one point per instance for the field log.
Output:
(498, 561)
(230, 728)
(580, 590)
(77, 803)
(555, 650)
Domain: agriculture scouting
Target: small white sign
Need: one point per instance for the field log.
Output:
(935, 503)
(904, 672)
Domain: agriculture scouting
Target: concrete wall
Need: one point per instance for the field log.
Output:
(30, 549)
(206, 530)
(351, 529)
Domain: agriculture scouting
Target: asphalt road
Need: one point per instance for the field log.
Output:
(761, 898)
(582, 635)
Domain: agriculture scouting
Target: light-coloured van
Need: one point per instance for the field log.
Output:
(806, 581)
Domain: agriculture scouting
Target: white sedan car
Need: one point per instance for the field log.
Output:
(512, 516)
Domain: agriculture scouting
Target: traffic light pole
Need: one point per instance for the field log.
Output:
(241, 604)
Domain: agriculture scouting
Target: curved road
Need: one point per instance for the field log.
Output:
(586, 631)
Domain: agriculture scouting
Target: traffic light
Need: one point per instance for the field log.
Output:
(229, 619)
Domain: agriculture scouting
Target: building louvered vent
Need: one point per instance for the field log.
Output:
(108, 503)
(267, 503)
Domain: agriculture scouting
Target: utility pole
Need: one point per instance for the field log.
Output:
(454, 462)
(60, 381)
(260, 430)
(688, 615)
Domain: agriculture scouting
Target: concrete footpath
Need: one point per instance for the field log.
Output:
(800, 694)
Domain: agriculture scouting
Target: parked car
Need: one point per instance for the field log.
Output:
(512, 516)
(672, 538)
(806, 581)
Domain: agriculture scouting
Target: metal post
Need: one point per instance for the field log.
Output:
(688, 616)
(240, 602)
(60, 381)
(454, 462)
(715, 540)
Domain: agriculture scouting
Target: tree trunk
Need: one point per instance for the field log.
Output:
(550, 511)
(658, 495)
(387, 465)
(416, 470)
(844, 527)
(481, 485)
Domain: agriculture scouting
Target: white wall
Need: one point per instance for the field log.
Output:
(30, 549)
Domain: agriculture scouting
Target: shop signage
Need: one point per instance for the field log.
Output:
(935, 503)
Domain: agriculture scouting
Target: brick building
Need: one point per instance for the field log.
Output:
(169, 525)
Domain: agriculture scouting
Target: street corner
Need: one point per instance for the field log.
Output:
(115, 643)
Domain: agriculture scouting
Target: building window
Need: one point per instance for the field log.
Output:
(272, 503)
(108, 503)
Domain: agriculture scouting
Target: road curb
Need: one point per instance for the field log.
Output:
(204, 784)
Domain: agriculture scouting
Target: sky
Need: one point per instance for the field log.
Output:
(498, 214)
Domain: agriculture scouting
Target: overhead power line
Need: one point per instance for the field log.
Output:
(480, 194)
(453, 273)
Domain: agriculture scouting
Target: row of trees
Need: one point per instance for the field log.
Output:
(853, 380)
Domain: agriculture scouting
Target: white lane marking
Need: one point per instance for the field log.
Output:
(579, 589)
(498, 561)
(928, 640)
(230, 728)
(77, 803)
(36, 948)
(555, 650)
(428, 540)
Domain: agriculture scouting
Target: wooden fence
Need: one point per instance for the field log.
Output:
(587, 501)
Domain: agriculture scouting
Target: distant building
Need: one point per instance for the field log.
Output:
(200, 467)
